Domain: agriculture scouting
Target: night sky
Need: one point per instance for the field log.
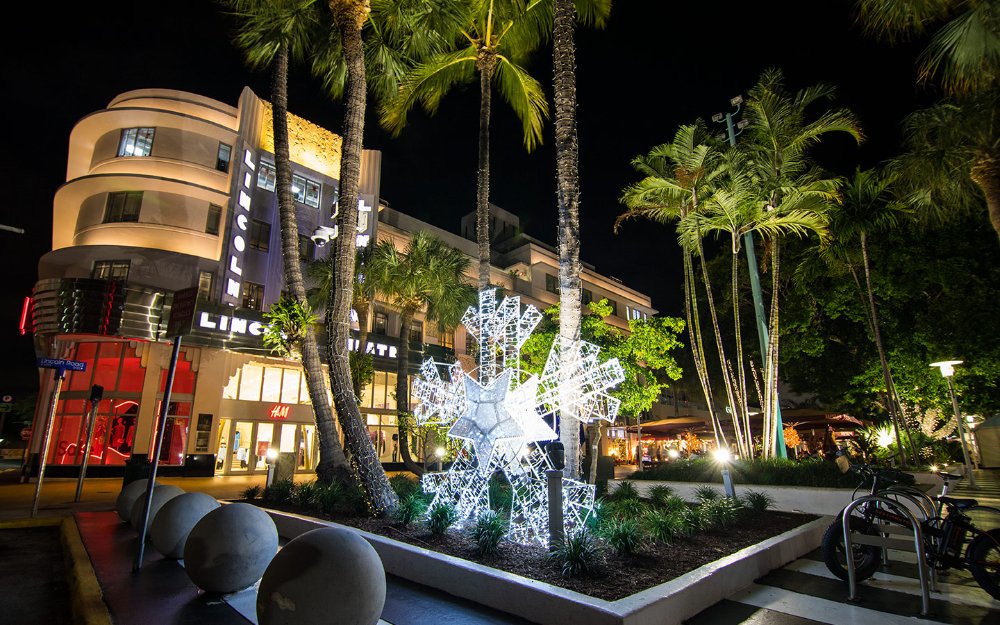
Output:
(657, 65)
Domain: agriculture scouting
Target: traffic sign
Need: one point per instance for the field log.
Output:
(26, 434)
(182, 312)
(61, 363)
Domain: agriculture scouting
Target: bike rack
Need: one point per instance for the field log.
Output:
(886, 541)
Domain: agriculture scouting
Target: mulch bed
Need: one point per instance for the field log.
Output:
(617, 576)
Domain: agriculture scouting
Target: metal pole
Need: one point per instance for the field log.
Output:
(727, 482)
(961, 433)
(555, 508)
(47, 440)
(86, 448)
(160, 430)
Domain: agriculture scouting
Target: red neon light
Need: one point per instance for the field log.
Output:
(24, 315)
(279, 411)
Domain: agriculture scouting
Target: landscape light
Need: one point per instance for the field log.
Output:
(722, 456)
(947, 368)
(717, 117)
(673, 454)
(439, 452)
(736, 100)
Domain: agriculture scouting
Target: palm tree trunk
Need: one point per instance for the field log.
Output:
(743, 412)
(894, 412)
(594, 436)
(986, 174)
(771, 373)
(568, 200)
(332, 461)
(698, 347)
(361, 307)
(349, 16)
(485, 64)
(403, 392)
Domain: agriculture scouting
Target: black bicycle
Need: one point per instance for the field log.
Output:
(951, 537)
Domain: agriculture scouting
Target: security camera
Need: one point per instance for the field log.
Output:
(323, 234)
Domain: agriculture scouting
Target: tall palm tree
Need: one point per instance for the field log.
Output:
(271, 33)
(677, 175)
(429, 274)
(964, 49)
(493, 43)
(568, 200)
(781, 131)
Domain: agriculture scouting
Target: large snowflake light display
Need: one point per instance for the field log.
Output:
(500, 413)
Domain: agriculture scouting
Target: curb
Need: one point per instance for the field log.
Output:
(86, 599)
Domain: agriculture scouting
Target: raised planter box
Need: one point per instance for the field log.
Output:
(666, 604)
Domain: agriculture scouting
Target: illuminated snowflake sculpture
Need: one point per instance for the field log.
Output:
(501, 414)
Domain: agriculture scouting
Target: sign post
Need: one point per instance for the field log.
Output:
(181, 316)
(96, 393)
(60, 366)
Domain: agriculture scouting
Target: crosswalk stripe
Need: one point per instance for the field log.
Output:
(822, 610)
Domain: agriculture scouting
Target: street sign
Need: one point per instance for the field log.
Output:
(182, 312)
(60, 363)
(26, 434)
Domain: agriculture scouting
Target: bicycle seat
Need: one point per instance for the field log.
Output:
(961, 504)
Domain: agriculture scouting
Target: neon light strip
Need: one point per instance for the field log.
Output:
(24, 315)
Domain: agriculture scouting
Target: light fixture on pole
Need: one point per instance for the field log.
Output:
(723, 457)
(947, 368)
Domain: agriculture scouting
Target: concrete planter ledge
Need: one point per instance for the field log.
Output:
(666, 604)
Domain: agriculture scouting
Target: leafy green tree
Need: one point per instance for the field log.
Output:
(271, 34)
(428, 275)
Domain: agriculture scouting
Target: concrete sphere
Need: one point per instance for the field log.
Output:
(229, 548)
(162, 493)
(131, 492)
(173, 523)
(327, 575)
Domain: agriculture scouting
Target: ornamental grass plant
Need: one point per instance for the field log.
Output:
(764, 472)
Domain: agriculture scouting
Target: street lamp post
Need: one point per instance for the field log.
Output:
(723, 457)
(947, 368)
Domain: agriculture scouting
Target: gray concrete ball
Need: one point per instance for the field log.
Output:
(162, 493)
(174, 521)
(229, 548)
(130, 492)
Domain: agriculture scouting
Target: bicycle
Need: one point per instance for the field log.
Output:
(951, 538)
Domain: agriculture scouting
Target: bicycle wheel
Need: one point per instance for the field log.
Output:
(866, 557)
(983, 556)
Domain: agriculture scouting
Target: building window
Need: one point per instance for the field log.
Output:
(260, 235)
(123, 206)
(110, 270)
(448, 339)
(214, 219)
(416, 331)
(381, 324)
(266, 176)
(307, 249)
(225, 155)
(588, 296)
(253, 295)
(136, 142)
(306, 191)
(614, 307)
(205, 280)
(551, 284)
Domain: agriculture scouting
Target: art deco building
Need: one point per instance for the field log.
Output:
(167, 190)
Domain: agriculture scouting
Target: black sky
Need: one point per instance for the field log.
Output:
(658, 64)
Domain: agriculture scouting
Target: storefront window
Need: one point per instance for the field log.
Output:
(107, 365)
(251, 377)
(80, 380)
(175, 435)
(271, 389)
(183, 377)
(290, 385)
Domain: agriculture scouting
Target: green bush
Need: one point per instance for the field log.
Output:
(663, 526)
(624, 536)
(252, 492)
(627, 508)
(410, 507)
(354, 500)
(440, 517)
(757, 501)
(487, 532)
(625, 490)
(719, 513)
(706, 493)
(404, 485)
(578, 555)
(304, 495)
(658, 495)
(764, 472)
(279, 492)
(673, 504)
(501, 494)
(327, 497)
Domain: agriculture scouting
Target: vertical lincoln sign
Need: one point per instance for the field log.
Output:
(233, 280)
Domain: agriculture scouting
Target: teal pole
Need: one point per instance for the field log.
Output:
(758, 306)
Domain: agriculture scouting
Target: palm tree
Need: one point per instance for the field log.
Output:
(781, 132)
(568, 199)
(493, 43)
(677, 174)
(964, 49)
(271, 33)
(427, 274)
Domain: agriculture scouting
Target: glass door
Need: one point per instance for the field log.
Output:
(223, 446)
(262, 443)
(240, 450)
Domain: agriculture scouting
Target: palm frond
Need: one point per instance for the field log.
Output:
(427, 85)
(525, 96)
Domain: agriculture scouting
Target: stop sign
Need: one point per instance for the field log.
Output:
(26, 434)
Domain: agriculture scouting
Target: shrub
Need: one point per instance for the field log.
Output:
(410, 507)
(404, 485)
(673, 504)
(626, 490)
(488, 531)
(327, 496)
(658, 495)
(622, 535)
(578, 554)
(628, 508)
(279, 492)
(304, 495)
(441, 517)
(766, 472)
(354, 500)
(663, 526)
(719, 513)
(252, 492)
(757, 501)
(501, 494)
(706, 493)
